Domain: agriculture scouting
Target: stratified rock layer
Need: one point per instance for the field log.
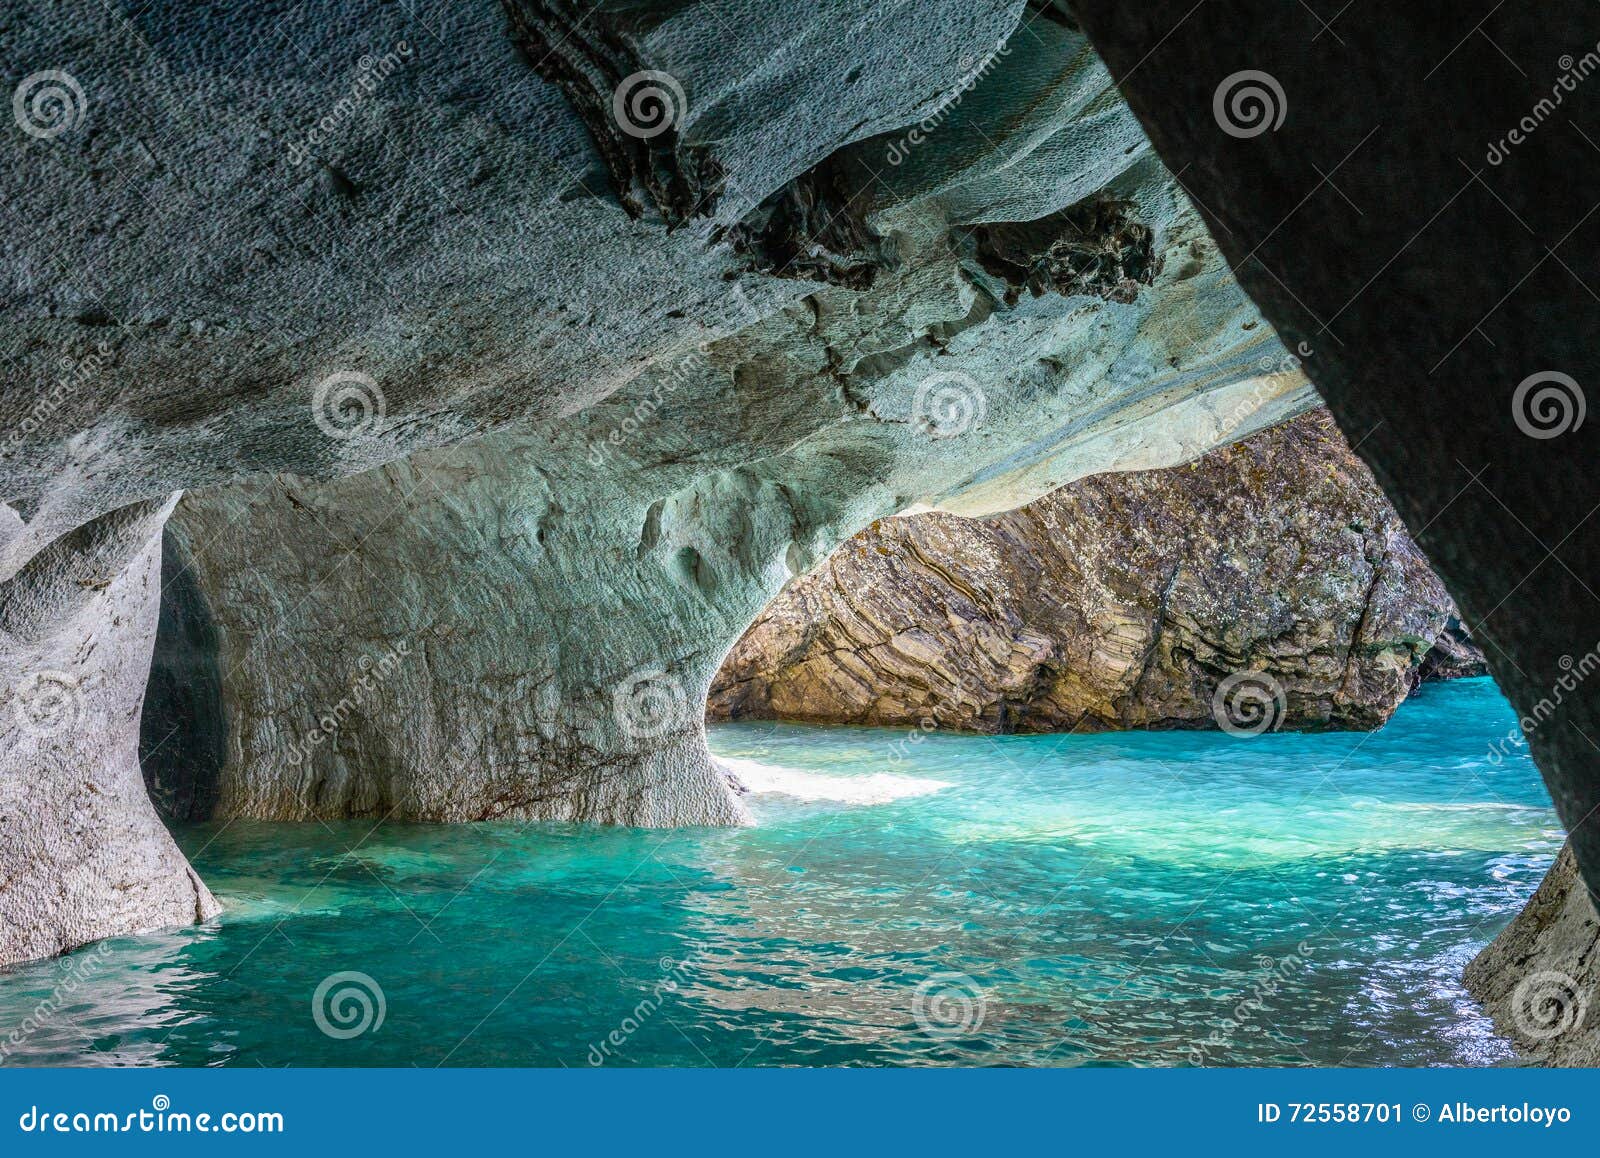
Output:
(1120, 601)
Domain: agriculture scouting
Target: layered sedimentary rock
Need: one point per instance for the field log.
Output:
(1120, 601)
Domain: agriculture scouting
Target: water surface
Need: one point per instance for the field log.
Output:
(1131, 899)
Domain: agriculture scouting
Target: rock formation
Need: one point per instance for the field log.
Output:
(82, 852)
(1540, 979)
(1120, 601)
(514, 364)
(1355, 167)
(244, 242)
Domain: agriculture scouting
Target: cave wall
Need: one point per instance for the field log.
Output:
(526, 625)
(1413, 211)
(252, 242)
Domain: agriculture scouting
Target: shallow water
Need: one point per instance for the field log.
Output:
(1147, 899)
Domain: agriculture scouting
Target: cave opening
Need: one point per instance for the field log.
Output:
(1145, 700)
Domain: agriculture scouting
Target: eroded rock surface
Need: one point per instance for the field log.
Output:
(742, 380)
(1540, 979)
(81, 853)
(328, 241)
(1120, 601)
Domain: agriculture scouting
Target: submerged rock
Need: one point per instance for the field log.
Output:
(1274, 569)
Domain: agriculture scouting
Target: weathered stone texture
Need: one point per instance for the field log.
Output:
(1120, 601)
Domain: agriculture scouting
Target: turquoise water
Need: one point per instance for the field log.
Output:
(1146, 899)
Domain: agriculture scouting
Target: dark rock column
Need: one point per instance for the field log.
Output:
(1539, 978)
(1377, 188)
(1409, 194)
